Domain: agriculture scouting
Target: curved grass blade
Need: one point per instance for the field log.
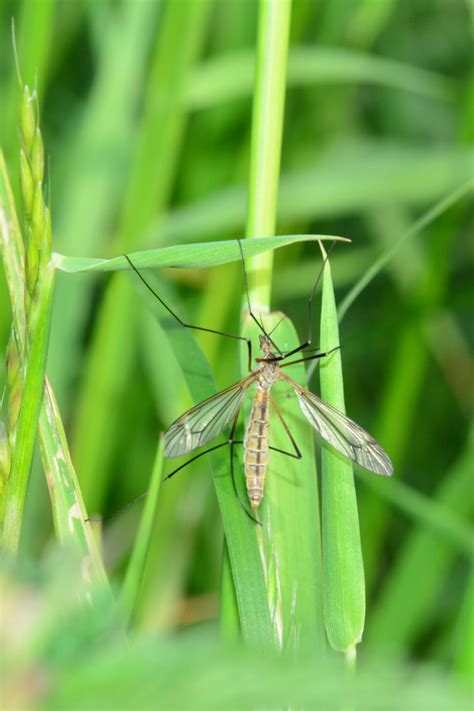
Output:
(188, 256)
(69, 512)
(134, 575)
(432, 214)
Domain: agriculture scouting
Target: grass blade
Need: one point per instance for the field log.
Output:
(290, 540)
(188, 256)
(418, 226)
(134, 575)
(69, 512)
(423, 510)
(343, 572)
(390, 631)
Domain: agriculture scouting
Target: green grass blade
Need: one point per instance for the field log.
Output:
(195, 256)
(136, 565)
(423, 279)
(416, 228)
(389, 630)
(267, 127)
(343, 572)
(69, 513)
(290, 539)
(422, 510)
(229, 609)
(464, 660)
(312, 66)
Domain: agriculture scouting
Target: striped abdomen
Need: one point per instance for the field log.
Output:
(256, 447)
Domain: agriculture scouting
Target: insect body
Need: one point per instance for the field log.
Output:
(205, 421)
(256, 434)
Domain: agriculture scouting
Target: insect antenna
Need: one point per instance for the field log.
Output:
(251, 314)
(309, 338)
(276, 325)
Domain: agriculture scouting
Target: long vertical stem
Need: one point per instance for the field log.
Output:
(267, 125)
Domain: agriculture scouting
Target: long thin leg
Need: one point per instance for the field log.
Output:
(297, 454)
(313, 357)
(231, 441)
(309, 338)
(188, 325)
(193, 459)
(251, 314)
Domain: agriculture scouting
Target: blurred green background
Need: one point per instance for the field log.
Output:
(146, 112)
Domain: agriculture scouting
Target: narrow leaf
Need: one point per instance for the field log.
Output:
(289, 538)
(189, 256)
(134, 576)
(343, 573)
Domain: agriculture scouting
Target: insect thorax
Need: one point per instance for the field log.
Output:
(267, 375)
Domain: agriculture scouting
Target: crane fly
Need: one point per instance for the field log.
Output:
(202, 423)
(205, 421)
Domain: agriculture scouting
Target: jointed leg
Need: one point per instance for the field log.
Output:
(313, 357)
(296, 454)
(188, 325)
(193, 459)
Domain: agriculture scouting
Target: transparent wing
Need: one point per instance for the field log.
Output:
(342, 433)
(205, 421)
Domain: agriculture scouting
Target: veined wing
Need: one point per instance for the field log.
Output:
(205, 421)
(342, 433)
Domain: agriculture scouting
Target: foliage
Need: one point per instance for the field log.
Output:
(145, 112)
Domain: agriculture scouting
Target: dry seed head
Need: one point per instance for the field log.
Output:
(27, 184)
(28, 120)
